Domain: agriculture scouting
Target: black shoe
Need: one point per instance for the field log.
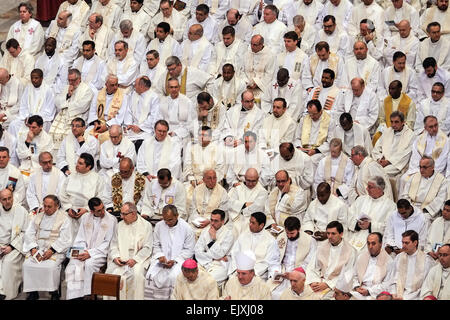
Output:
(33, 295)
(54, 295)
(2, 297)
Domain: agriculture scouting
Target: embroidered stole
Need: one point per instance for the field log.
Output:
(323, 253)
(53, 184)
(165, 155)
(403, 271)
(329, 101)
(273, 197)
(332, 63)
(117, 191)
(92, 71)
(379, 271)
(338, 179)
(214, 200)
(441, 139)
(403, 106)
(432, 191)
(323, 131)
(193, 61)
(183, 82)
(54, 234)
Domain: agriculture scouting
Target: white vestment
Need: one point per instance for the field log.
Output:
(30, 35)
(154, 155)
(94, 236)
(42, 184)
(239, 211)
(436, 283)
(70, 150)
(208, 252)
(272, 33)
(363, 109)
(93, 71)
(378, 210)
(155, 198)
(318, 215)
(110, 156)
(265, 247)
(143, 111)
(52, 231)
(54, 69)
(13, 223)
(396, 225)
(76, 191)
(174, 243)
(131, 241)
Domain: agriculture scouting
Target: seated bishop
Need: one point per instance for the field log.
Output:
(246, 283)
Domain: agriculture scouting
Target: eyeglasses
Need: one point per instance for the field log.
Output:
(125, 213)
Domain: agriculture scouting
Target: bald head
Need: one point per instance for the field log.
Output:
(195, 32)
(5, 193)
(6, 199)
(115, 129)
(357, 86)
(251, 174)
(115, 134)
(63, 19)
(257, 43)
(404, 28)
(4, 76)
